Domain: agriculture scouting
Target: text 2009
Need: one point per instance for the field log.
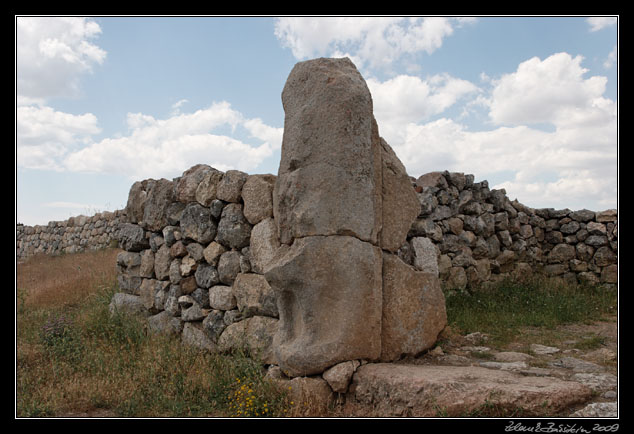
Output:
(606, 428)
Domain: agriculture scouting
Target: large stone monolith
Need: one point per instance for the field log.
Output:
(343, 205)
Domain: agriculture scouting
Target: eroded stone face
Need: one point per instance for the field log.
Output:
(329, 301)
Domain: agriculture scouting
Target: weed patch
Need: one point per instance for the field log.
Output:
(501, 310)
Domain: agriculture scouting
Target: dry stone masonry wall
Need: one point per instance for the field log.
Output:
(195, 248)
(76, 234)
(481, 236)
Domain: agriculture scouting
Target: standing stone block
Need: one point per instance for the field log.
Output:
(413, 309)
(329, 303)
(329, 177)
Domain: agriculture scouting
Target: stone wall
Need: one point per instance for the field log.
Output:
(480, 236)
(197, 248)
(69, 236)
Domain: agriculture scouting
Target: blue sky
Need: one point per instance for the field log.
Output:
(527, 103)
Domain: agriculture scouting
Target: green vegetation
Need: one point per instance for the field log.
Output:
(504, 308)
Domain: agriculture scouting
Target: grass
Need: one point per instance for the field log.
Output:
(73, 357)
(503, 309)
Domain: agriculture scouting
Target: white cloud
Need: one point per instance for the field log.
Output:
(45, 135)
(550, 168)
(53, 52)
(176, 107)
(166, 147)
(408, 99)
(598, 23)
(371, 41)
(572, 165)
(552, 91)
(611, 59)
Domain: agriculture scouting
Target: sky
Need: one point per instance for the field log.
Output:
(528, 103)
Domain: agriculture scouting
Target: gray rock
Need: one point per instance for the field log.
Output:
(228, 267)
(425, 256)
(195, 336)
(254, 295)
(396, 390)
(562, 253)
(221, 298)
(192, 313)
(185, 187)
(254, 334)
(216, 208)
(172, 307)
(164, 323)
(208, 187)
(201, 295)
(212, 253)
(234, 231)
(214, 324)
(577, 365)
(230, 187)
(263, 245)
(148, 291)
(583, 215)
(206, 276)
(570, 227)
(132, 238)
(598, 409)
(127, 304)
(174, 272)
(136, 201)
(598, 382)
(174, 212)
(596, 240)
(195, 251)
(257, 194)
(171, 234)
(505, 366)
(339, 376)
(198, 224)
(159, 197)
(399, 204)
(543, 349)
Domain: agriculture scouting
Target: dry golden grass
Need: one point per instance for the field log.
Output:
(64, 280)
(98, 364)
